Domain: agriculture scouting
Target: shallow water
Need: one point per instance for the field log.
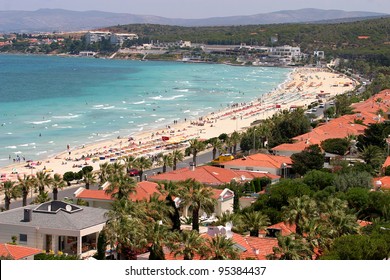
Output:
(47, 102)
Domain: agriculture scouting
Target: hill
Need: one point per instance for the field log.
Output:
(49, 20)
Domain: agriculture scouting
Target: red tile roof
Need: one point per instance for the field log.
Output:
(285, 228)
(17, 252)
(144, 190)
(386, 163)
(250, 247)
(209, 175)
(260, 160)
(343, 126)
(385, 182)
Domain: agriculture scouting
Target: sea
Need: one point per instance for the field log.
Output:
(49, 102)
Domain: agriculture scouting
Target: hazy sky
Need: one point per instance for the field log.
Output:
(196, 8)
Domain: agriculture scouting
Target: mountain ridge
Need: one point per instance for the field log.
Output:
(49, 20)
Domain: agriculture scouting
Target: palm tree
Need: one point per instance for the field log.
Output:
(42, 198)
(121, 186)
(142, 163)
(255, 221)
(373, 155)
(129, 163)
(43, 180)
(57, 183)
(291, 248)
(186, 243)
(25, 184)
(89, 178)
(177, 156)
(171, 190)
(216, 143)
(166, 161)
(299, 211)
(196, 146)
(198, 197)
(126, 232)
(116, 168)
(235, 139)
(221, 248)
(11, 191)
(235, 219)
(103, 172)
(157, 234)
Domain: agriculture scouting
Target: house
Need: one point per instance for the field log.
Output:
(269, 164)
(54, 226)
(365, 112)
(17, 252)
(211, 176)
(99, 198)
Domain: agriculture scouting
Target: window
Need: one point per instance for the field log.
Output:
(23, 237)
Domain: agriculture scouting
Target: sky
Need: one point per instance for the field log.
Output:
(196, 8)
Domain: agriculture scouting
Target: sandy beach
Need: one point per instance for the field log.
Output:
(301, 89)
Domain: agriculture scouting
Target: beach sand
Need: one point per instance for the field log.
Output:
(301, 89)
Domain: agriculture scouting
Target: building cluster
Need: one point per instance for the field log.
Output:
(114, 38)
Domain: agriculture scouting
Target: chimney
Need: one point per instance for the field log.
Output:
(192, 166)
(27, 215)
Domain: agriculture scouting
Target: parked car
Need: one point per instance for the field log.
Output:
(133, 172)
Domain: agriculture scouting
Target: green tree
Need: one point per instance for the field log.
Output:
(291, 248)
(166, 161)
(43, 180)
(142, 163)
(121, 186)
(89, 178)
(345, 181)
(310, 158)
(197, 197)
(25, 184)
(300, 211)
(221, 248)
(57, 183)
(336, 146)
(318, 180)
(186, 243)
(255, 221)
(196, 146)
(216, 144)
(177, 156)
(11, 191)
(171, 190)
(68, 177)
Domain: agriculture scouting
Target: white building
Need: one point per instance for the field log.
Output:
(119, 38)
(96, 36)
(286, 51)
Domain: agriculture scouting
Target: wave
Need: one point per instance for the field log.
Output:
(65, 126)
(41, 153)
(11, 147)
(167, 98)
(183, 90)
(40, 122)
(142, 124)
(160, 120)
(139, 102)
(187, 111)
(23, 145)
(70, 116)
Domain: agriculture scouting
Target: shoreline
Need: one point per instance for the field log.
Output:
(299, 89)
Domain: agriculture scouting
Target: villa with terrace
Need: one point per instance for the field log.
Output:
(54, 226)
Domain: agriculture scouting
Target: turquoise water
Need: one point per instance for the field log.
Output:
(47, 102)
